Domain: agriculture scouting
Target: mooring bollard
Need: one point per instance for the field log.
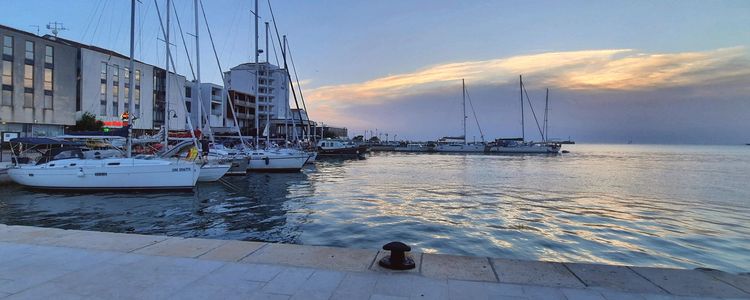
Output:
(398, 259)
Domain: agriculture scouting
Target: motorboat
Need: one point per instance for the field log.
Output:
(330, 147)
(67, 168)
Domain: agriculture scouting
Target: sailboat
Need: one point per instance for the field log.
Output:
(520, 145)
(459, 144)
(270, 160)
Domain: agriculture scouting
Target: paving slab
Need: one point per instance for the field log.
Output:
(232, 251)
(356, 286)
(181, 247)
(741, 282)
(33, 235)
(330, 258)
(541, 273)
(457, 267)
(107, 241)
(416, 256)
(689, 283)
(617, 278)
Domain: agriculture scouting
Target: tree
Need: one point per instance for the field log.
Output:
(374, 139)
(88, 122)
(359, 138)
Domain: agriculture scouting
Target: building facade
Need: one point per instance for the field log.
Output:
(212, 97)
(273, 96)
(38, 91)
(49, 82)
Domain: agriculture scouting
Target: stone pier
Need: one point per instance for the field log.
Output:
(48, 263)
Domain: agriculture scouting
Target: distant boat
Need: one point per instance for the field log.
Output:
(414, 147)
(341, 148)
(520, 145)
(459, 144)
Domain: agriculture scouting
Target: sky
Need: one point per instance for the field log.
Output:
(617, 71)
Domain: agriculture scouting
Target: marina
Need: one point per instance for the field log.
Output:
(174, 150)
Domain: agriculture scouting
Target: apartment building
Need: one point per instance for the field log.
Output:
(38, 92)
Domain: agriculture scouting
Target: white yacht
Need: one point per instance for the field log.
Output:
(518, 146)
(67, 168)
(459, 144)
(270, 160)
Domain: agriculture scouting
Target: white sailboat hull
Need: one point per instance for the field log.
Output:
(313, 155)
(465, 148)
(4, 178)
(525, 149)
(272, 161)
(113, 173)
(213, 172)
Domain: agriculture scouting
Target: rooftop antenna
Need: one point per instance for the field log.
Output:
(56, 27)
(37, 28)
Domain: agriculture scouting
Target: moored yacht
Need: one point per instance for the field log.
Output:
(329, 147)
(67, 168)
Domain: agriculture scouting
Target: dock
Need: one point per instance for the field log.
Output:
(39, 263)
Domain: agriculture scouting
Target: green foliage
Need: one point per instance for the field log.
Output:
(359, 138)
(88, 122)
(374, 139)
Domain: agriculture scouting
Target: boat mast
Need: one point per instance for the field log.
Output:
(520, 85)
(546, 113)
(166, 82)
(257, 74)
(131, 104)
(463, 95)
(268, 116)
(198, 71)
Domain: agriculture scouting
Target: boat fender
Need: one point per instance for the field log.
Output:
(268, 160)
(80, 172)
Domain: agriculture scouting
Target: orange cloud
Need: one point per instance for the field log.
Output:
(609, 69)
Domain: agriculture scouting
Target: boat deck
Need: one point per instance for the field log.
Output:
(54, 263)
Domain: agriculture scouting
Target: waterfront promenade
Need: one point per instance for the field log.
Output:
(54, 263)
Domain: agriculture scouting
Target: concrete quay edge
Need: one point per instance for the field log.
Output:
(626, 279)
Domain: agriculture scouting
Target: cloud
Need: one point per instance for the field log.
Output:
(609, 69)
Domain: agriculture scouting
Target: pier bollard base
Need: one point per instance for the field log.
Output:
(406, 264)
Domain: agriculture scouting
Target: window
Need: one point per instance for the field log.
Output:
(104, 72)
(115, 75)
(137, 77)
(115, 99)
(103, 98)
(127, 77)
(49, 55)
(48, 101)
(7, 73)
(28, 99)
(188, 106)
(30, 52)
(8, 47)
(7, 96)
(188, 92)
(28, 77)
(47, 79)
(137, 101)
